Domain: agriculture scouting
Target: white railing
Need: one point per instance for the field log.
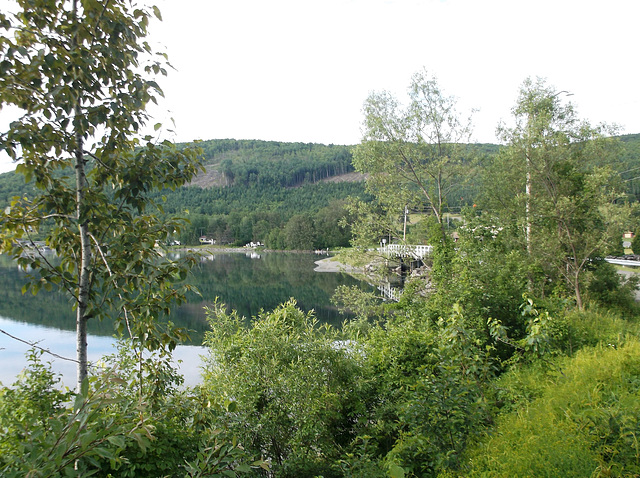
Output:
(406, 250)
(622, 262)
(390, 292)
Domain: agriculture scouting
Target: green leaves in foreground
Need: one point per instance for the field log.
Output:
(42, 435)
(295, 383)
(108, 429)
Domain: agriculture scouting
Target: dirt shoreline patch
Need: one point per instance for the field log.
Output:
(331, 265)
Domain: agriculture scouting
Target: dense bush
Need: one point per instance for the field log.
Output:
(295, 385)
(403, 397)
(428, 383)
(579, 420)
(120, 424)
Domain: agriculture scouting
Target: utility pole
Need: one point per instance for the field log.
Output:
(404, 232)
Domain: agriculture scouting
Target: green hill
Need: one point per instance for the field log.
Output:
(232, 162)
(252, 189)
(256, 190)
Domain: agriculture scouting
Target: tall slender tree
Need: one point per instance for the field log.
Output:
(553, 179)
(81, 75)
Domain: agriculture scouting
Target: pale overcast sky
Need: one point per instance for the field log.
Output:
(300, 70)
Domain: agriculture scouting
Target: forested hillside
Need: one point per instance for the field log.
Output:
(630, 164)
(270, 163)
(230, 162)
(269, 192)
(288, 195)
(291, 195)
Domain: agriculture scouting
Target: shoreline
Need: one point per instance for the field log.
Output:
(329, 264)
(224, 249)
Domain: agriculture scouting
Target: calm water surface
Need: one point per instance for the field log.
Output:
(246, 282)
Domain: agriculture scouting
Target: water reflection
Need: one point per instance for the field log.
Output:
(253, 282)
(62, 343)
(248, 282)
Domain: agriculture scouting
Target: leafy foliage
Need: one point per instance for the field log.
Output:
(427, 392)
(112, 428)
(557, 183)
(188, 436)
(414, 156)
(294, 384)
(77, 72)
(492, 374)
(582, 423)
(47, 437)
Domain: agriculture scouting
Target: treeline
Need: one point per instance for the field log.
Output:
(268, 192)
(11, 185)
(308, 217)
(273, 192)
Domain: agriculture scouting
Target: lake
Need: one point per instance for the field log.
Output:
(246, 282)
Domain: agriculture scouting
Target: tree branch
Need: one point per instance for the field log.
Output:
(106, 264)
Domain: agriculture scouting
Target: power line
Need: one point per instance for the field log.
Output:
(34, 345)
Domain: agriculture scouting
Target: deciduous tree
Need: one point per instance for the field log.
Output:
(553, 179)
(299, 233)
(81, 75)
(413, 154)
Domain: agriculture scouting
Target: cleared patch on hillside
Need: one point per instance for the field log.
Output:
(211, 178)
(353, 177)
(214, 178)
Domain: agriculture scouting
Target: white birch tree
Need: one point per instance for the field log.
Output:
(81, 75)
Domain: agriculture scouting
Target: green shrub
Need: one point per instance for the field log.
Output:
(48, 432)
(582, 421)
(28, 406)
(109, 429)
(295, 384)
(427, 398)
(188, 436)
(595, 325)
